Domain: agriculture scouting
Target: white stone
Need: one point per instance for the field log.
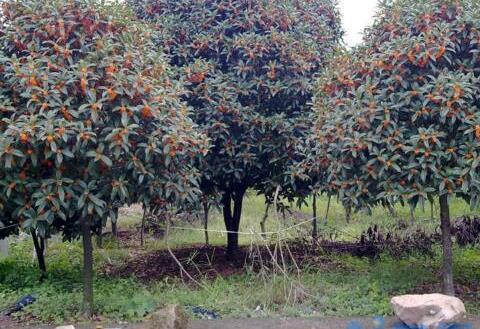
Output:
(428, 311)
(66, 327)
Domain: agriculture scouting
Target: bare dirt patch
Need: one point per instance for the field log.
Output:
(201, 261)
(128, 239)
(156, 265)
(468, 291)
(210, 262)
(7, 323)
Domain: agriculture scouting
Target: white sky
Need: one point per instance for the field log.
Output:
(356, 15)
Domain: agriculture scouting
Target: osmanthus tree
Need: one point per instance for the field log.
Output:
(90, 120)
(249, 67)
(400, 119)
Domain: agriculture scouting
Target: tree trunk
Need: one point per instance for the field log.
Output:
(232, 220)
(39, 244)
(431, 201)
(43, 246)
(87, 269)
(348, 213)
(412, 215)
(205, 221)
(100, 239)
(142, 227)
(432, 211)
(314, 220)
(264, 220)
(114, 228)
(447, 270)
(325, 220)
(284, 216)
(392, 210)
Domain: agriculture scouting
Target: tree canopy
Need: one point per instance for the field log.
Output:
(399, 118)
(249, 67)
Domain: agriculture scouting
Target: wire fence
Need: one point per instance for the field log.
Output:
(8, 227)
(278, 232)
(250, 233)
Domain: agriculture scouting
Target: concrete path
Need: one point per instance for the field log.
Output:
(324, 323)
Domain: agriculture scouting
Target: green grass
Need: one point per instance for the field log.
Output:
(254, 209)
(344, 286)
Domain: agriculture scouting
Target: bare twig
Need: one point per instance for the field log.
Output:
(182, 269)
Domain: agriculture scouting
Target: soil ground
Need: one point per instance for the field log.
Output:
(208, 262)
(325, 323)
(202, 261)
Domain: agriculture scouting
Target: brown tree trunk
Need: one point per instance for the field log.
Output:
(43, 247)
(432, 211)
(348, 213)
(431, 201)
(114, 228)
(264, 220)
(205, 221)
(87, 269)
(447, 270)
(412, 215)
(325, 220)
(392, 210)
(39, 244)
(142, 227)
(100, 239)
(314, 220)
(232, 220)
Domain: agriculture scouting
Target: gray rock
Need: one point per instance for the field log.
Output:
(428, 311)
(170, 317)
